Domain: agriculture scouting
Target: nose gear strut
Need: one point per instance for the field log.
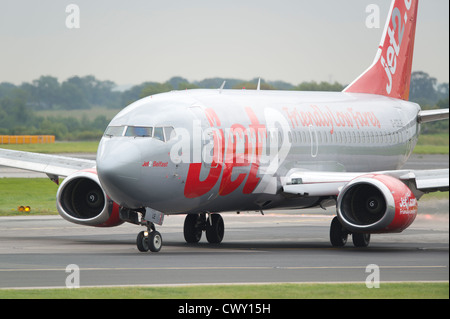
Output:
(149, 239)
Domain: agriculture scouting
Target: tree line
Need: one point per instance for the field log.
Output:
(20, 104)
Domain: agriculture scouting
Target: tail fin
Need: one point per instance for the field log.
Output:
(390, 73)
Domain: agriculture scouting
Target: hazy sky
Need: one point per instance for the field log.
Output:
(130, 42)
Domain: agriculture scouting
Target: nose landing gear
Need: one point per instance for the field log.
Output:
(149, 239)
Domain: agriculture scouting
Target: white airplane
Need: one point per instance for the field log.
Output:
(202, 152)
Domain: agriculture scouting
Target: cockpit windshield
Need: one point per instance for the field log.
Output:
(139, 131)
(162, 133)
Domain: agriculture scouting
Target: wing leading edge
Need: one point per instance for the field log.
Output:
(52, 165)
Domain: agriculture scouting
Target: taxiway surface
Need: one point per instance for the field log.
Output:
(277, 247)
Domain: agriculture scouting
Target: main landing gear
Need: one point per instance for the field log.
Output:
(339, 235)
(195, 224)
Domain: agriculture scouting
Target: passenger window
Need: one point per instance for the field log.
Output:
(159, 133)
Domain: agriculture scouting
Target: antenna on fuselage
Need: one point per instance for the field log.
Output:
(222, 86)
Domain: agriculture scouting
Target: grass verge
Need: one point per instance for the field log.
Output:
(38, 193)
(432, 144)
(55, 148)
(270, 291)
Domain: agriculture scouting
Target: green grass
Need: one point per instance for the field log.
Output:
(38, 193)
(266, 291)
(431, 149)
(433, 144)
(435, 196)
(56, 148)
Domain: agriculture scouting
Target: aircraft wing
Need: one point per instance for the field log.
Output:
(52, 165)
(308, 183)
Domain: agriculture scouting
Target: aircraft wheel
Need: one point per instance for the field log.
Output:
(154, 241)
(193, 228)
(215, 229)
(361, 240)
(142, 242)
(338, 234)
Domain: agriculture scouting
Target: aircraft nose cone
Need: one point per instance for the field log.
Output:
(119, 170)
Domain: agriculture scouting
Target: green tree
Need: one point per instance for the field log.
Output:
(423, 88)
(155, 88)
(322, 86)
(46, 92)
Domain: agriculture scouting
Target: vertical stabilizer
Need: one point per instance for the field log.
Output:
(390, 73)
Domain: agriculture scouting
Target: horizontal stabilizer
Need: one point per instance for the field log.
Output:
(432, 115)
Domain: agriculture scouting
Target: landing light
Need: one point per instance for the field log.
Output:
(24, 209)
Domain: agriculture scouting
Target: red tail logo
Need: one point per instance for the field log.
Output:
(390, 73)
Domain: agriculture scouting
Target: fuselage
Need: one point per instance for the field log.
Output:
(230, 150)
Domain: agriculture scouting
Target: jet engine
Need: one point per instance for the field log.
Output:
(376, 204)
(81, 200)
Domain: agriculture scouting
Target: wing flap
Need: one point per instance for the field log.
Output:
(433, 179)
(52, 165)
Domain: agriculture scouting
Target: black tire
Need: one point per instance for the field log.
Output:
(142, 242)
(215, 229)
(193, 228)
(154, 241)
(361, 240)
(338, 234)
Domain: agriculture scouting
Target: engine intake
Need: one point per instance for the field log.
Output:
(81, 200)
(376, 204)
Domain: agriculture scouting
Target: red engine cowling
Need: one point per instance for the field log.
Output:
(81, 200)
(376, 204)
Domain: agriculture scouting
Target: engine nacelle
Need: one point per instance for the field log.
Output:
(81, 200)
(376, 204)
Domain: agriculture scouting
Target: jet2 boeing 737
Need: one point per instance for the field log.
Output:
(203, 152)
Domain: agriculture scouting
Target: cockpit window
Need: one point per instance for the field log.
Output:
(159, 133)
(114, 131)
(139, 131)
(169, 132)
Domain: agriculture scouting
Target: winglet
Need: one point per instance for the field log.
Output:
(390, 73)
